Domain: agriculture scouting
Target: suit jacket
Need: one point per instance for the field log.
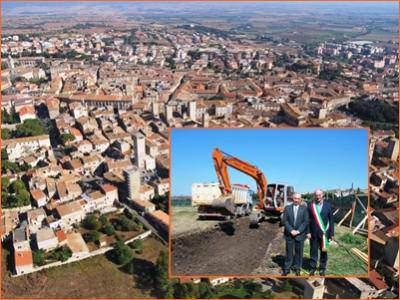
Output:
(301, 224)
(327, 217)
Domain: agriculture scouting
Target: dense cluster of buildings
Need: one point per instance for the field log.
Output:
(110, 98)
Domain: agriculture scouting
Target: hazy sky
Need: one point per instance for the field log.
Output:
(306, 159)
(356, 7)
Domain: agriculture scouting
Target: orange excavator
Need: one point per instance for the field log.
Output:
(271, 197)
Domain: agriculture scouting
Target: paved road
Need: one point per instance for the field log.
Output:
(146, 223)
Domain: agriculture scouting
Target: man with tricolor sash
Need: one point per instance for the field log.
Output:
(321, 231)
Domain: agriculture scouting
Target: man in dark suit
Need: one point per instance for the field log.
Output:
(321, 232)
(295, 221)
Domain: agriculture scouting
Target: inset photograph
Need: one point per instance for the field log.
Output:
(269, 202)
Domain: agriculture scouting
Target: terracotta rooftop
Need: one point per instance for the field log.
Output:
(108, 188)
(23, 258)
(161, 216)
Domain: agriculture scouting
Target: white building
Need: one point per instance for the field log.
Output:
(150, 163)
(77, 245)
(18, 147)
(70, 213)
(132, 182)
(20, 238)
(36, 218)
(46, 239)
(192, 110)
(140, 150)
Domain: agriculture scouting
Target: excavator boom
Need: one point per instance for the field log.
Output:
(221, 162)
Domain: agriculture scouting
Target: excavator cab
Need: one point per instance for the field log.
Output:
(278, 196)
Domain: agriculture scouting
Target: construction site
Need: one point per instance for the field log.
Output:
(227, 229)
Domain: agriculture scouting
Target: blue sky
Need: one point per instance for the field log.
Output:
(307, 159)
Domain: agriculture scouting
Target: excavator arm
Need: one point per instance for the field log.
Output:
(223, 160)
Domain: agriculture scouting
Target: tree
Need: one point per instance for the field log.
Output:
(161, 274)
(30, 127)
(205, 289)
(122, 254)
(4, 155)
(9, 118)
(186, 290)
(25, 166)
(91, 222)
(66, 137)
(23, 198)
(5, 133)
(4, 184)
(9, 166)
(124, 224)
(39, 258)
(108, 229)
(138, 245)
(103, 220)
(17, 186)
(91, 236)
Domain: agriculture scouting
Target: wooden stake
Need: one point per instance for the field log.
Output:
(344, 218)
(360, 224)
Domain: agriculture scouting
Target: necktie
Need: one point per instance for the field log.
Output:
(295, 212)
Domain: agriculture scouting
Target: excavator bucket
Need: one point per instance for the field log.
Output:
(225, 202)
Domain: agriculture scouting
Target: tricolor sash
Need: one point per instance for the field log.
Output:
(324, 227)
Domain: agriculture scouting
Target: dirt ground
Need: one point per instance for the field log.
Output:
(231, 248)
(95, 277)
(184, 221)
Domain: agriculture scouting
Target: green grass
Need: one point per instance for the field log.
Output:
(341, 261)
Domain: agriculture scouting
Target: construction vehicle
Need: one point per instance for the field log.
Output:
(272, 198)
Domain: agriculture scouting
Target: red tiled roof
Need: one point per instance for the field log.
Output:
(26, 110)
(23, 258)
(61, 236)
(108, 188)
(161, 216)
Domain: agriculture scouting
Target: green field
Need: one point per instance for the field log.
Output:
(341, 261)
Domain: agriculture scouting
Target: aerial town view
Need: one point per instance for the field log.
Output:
(90, 92)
